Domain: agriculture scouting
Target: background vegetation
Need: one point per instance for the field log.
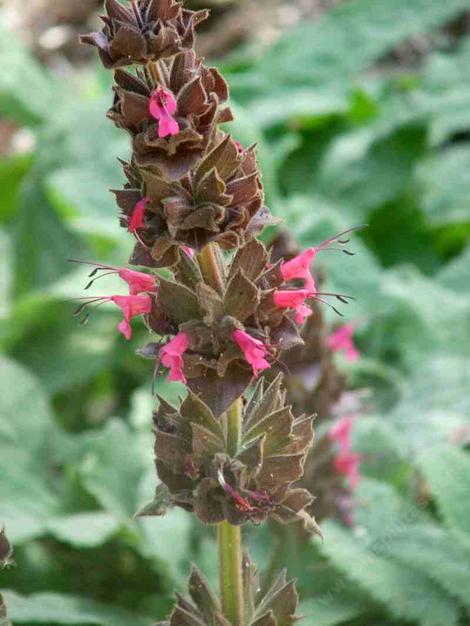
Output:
(356, 123)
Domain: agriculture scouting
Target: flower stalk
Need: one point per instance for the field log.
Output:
(230, 570)
(229, 536)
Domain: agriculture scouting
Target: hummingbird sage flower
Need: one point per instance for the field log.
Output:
(131, 306)
(172, 357)
(162, 107)
(341, 340)
(253, 350)
(136, 219)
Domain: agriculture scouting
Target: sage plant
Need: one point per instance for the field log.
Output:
(222, 312)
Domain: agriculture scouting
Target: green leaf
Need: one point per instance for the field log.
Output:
(40, 236)
(113, 468)
(27, 92)
(12, 173)
(25, 413)
(53, 608)
(329, 610)
(6, 277)
(454, 275)
(43, 334)
(406, 593)
(348, 38)
(436, 553)
(84, 530)
(445, 180)
(447, 471)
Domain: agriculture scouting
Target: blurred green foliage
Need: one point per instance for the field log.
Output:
(344, 139)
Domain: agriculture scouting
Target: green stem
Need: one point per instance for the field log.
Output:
(229, 538)
(210, 268)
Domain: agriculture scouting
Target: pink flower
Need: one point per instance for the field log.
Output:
(299, 268)
(301, 313)
(189, 251)
(162, 106)
(347, 463)
(290, 298)
(341, 340)
(131, 306)
(293, 299)
(138, 281)
(239, 147)
(341, 432)
(253, 349)
(136, 220)
(172, 357)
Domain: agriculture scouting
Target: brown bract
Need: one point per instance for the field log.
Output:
(276, 607)
(143, 31)
(193, 461)
(220, 200)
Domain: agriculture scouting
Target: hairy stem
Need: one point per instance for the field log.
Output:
(229, 538)
(210, 267)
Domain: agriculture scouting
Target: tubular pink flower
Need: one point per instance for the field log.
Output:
(299, 268)
(189, 251)
(162, 107)
(172, 357)
(290, 298)
(293, 299)
(138, 281)
(341, 340)
(131, 306)
(253, 349)
(136, 220)
(347, 463)
(341, 432)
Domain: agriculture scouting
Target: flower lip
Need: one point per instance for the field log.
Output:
(162, 107)
(171, 356)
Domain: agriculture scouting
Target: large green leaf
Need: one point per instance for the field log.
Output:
(27, 91)
(347, 39)
(41, 237)
(52, 608)
(331, 610)
(447, 471)
(407, 594)
(27, 441)
(445, 181)
(112, 469)
(395, 528)
(84, 530)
